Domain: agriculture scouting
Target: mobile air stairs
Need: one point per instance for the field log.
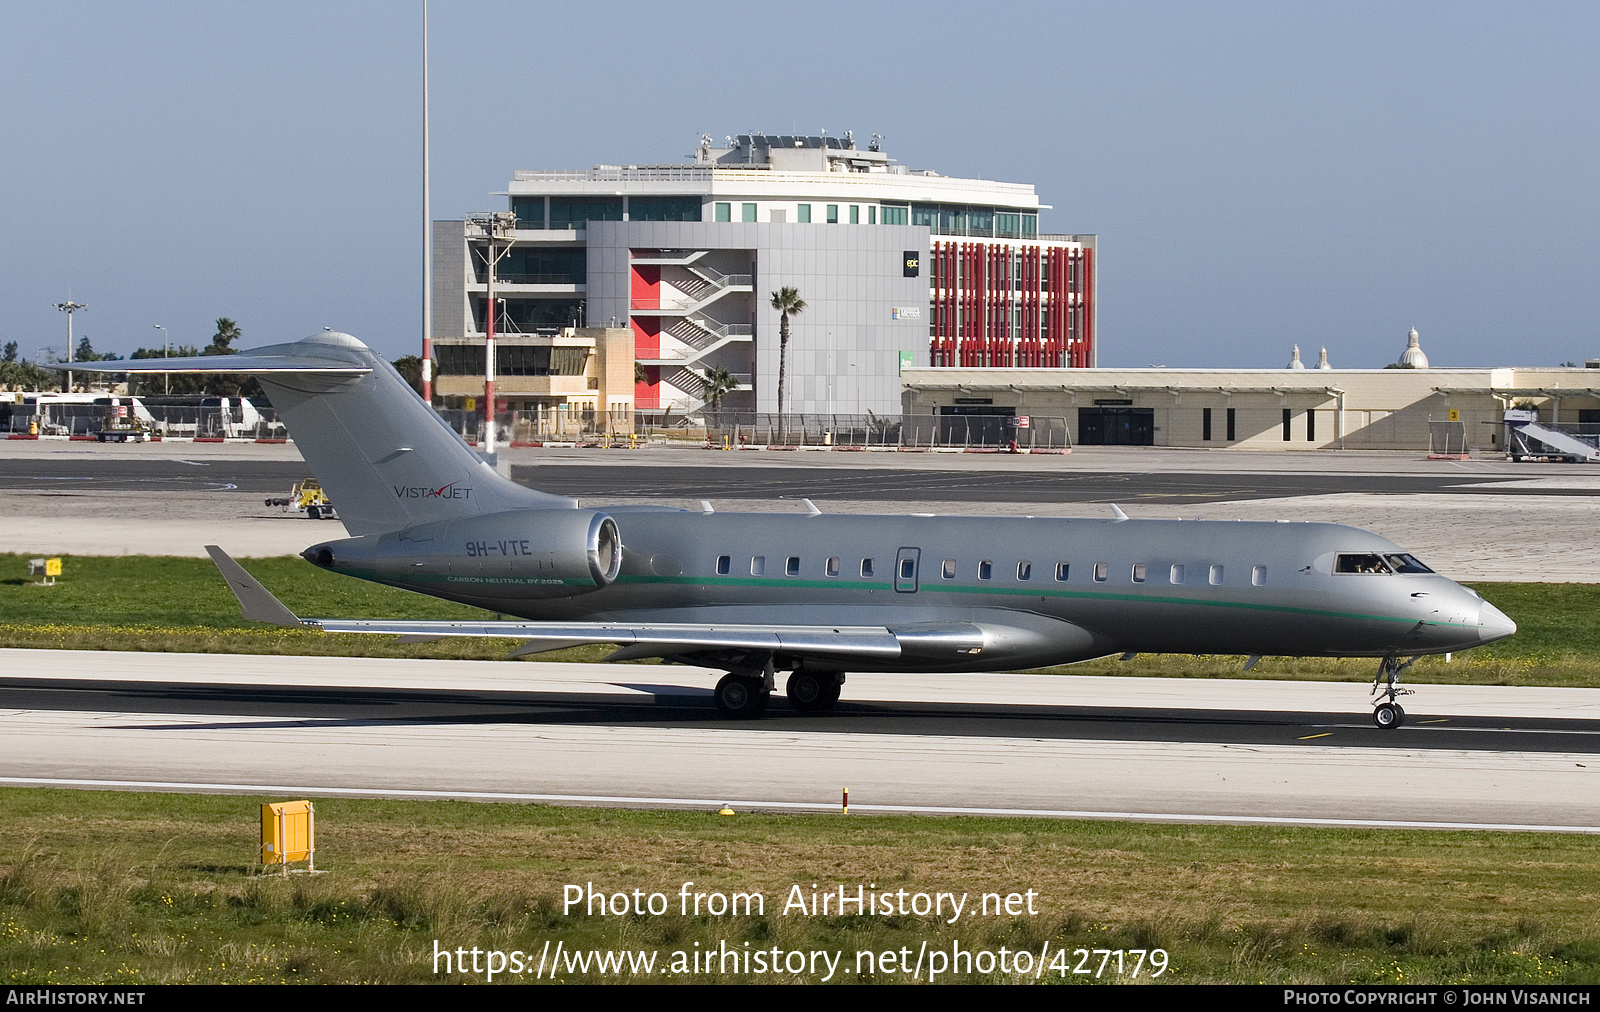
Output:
(1528, 439)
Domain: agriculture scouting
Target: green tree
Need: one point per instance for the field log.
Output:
(146, 385)
(24, 375)
(788, 303)
(10, 354)
(222, 340)
(410, 369)
(719, 382)
(228, 384)
(85, 352)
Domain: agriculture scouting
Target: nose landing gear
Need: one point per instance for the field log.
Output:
(1389, 714)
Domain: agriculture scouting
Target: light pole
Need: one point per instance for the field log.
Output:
(166, 352)
(69, 307)
(427, 231)
(498, 228)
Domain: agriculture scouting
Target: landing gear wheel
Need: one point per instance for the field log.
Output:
(812, 693)
(832, 695)
(1388, 716)
(741, 698)
(805, 691)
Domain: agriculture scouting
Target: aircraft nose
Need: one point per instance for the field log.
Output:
(1493, 624)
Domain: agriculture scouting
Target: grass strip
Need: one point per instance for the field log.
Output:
(125, 888)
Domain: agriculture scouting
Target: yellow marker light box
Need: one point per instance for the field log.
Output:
(288, 834)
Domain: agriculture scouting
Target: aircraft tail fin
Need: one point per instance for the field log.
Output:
(383, 455)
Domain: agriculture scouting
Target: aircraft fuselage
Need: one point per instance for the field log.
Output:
(1043, 590)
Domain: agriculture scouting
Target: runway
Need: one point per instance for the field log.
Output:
(643, 735)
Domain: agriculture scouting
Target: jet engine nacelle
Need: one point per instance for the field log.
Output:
(524, 553)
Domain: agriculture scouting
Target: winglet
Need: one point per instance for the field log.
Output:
(1116, 511)
(257, 601)
(811, 507)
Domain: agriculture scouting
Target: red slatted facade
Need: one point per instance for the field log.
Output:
(987, 294)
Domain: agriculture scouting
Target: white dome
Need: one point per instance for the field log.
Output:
(1294, 360)
(1412, 357)
(1322, 362)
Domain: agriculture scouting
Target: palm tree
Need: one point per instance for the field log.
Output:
(788, 303)
(718, 382)
(222, 340)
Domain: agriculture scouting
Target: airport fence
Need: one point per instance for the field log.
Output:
(749, 428)
(889, 431)
(176, 421)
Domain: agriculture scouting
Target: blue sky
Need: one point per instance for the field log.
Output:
(1260, 175)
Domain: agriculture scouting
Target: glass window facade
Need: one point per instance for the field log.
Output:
(531, 316)
(833, 214)
(511, 360)
(893, 215)
(664, 209)
(803, 213)
(573, 212)
(724, 211)
(529, 211)
(531, 266)
(960, 219)
(855, 214)
(747, 212)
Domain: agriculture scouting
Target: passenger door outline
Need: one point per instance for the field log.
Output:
(905, 583)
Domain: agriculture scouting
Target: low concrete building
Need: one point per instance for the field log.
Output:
(1257, 409)
(577, 377)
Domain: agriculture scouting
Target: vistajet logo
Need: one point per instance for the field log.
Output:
(450, 491)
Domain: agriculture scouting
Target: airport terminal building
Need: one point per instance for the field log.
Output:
(898, 268)
(1408, 406)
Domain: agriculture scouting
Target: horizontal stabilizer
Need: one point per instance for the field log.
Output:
(257, 601)
(294, 359)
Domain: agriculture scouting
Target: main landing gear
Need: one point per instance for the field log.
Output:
(741, 697)
(1389, 714)
(813, 691)
(744, 696)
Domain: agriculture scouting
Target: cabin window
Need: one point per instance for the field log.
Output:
(866, 567)
(1024, 571)
(1177, 573)
(758, 565)
(791, 565)
(985, 570)
(947, 569)
(908, 568)
(1061, 572)
(1360, 564)
(1102, 570)
(1216, 576)
(1258, 576)
(724, 563)
(1406, 564)
(1139, 570)
(833, 565)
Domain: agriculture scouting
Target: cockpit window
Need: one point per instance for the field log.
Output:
(1360, 564)
(1406, 564)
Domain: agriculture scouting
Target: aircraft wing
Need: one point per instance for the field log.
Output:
(637, 639)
